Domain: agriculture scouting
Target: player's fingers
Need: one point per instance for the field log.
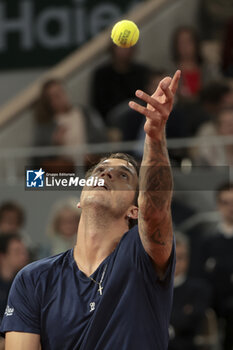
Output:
(140, 109)
(150, 100)
(175, 81)
(159, 92)
(150, 115)
(167, 92)
(165, 82)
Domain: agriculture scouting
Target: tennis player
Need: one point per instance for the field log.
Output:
(113, 291)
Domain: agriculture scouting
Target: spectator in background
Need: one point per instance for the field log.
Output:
(63, 226)
(12, 220)
(181, 211)
(186, 54)
(58, 123)
(127, 121)
(216, 154)
(13, 257)
(217, 260)
(117, 81)
(227, 51)
(192, 297)
(214, 96)
(11, 217)
(201, 114)
(213, 16)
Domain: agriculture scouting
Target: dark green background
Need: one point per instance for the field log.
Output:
(14, 56)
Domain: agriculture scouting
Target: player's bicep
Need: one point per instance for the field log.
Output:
(22, 341)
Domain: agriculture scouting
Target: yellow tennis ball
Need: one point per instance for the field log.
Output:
(125, 33)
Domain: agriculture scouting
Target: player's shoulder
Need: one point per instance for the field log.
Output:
(133, 231)
(130, 236)
(44, 266)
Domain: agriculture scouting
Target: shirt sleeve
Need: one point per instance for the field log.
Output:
(22, 311)
(146, 266)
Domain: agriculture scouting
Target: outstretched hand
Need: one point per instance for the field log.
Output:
(159, 106)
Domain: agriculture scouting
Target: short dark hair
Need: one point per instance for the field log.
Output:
(128, 158)
(227, 186)
(6, 239)
(12, 206)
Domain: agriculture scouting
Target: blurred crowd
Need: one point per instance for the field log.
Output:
(203, 107)
(202, 316)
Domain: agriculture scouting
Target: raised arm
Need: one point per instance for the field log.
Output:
(155, 178)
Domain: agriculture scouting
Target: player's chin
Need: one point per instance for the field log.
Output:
(97, 202)
(97, 193)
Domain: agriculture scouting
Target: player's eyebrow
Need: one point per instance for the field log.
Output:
(124, 167)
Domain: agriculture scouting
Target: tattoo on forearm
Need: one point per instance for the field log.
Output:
(156, 237)
(155, 184)
(155, 177)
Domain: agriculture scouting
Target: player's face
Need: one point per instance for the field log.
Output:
(120, 183)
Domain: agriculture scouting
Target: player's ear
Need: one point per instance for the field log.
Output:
(133, 212)
(79, 205)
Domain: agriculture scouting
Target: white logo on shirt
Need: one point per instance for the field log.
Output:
(9, 311)
(92, 306)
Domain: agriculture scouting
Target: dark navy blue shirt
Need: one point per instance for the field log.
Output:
(53, 298)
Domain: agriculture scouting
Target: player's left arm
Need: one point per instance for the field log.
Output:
(155, 178)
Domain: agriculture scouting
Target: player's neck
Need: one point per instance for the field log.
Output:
(96, 239)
